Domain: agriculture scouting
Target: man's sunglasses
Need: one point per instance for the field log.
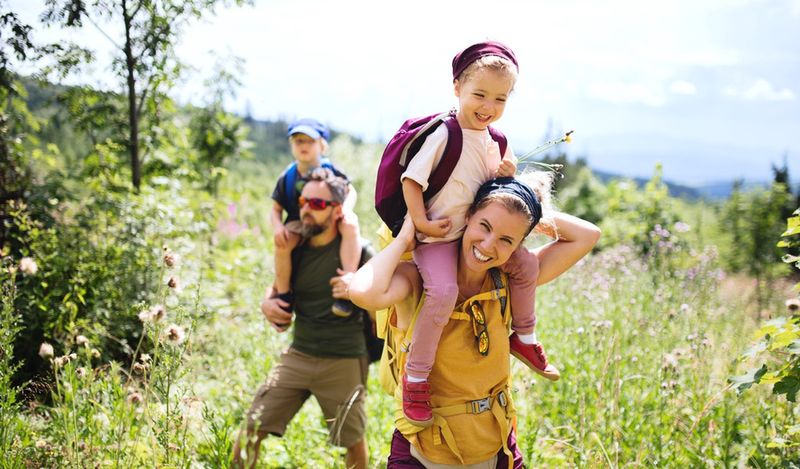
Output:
(316, 203)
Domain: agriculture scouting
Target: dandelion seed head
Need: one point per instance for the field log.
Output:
(135, 398)
(28, 266)
(175, 334)
(46, 350)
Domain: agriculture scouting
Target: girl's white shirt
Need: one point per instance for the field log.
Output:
(480, 158)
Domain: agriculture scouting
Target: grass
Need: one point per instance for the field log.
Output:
(645, 347)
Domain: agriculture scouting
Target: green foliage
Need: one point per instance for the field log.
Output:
(584, 196)
(750, 222)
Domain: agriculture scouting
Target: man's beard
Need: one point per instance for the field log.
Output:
(311, 228)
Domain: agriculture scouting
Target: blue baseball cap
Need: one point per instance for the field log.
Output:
(311, 127)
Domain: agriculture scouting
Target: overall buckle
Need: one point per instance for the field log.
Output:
(481, 405)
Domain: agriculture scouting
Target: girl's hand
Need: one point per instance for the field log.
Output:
(281, 237)
(507, 168)
(435, 228)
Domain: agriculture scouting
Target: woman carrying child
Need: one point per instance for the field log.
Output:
(472, 405)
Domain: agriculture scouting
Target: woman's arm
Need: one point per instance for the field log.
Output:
(379, 283)
(574, 239)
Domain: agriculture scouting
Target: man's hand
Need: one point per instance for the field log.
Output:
(507, 168)
(341, 284)
(272, 309)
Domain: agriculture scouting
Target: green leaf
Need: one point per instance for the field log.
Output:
(789, 385)
(770, 327)
(745, 381)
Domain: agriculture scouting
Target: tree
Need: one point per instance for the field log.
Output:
(145, 60)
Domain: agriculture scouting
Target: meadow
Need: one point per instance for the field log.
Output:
(647, 344)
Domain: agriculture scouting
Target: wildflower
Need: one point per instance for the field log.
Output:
(101, 419)
(681, 227)
(669, 362)
(61, 361)
(685, 308)
(154, 314)
(170, 258)
(139, 368)
(175, 334)
(81, 372)
(95, 353)
(145, 357)
(82, 340)
(793, 305)
(41, 443)
(46, 350)
(145, 316)
(135, 398)
(579, 330)
(173, 283)
(158, 312)
(28, 266)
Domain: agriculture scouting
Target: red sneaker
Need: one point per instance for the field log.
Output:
(417, 403)
(533, 355)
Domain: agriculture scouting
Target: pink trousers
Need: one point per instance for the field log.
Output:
(437, 264)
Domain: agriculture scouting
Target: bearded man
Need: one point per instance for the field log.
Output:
(327, 357)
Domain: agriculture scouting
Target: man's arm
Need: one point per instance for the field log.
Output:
(272, 309)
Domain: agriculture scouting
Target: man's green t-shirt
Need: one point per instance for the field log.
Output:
(317, 331)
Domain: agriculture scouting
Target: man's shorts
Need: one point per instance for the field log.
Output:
(338, 384)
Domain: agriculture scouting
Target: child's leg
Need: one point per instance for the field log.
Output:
(349, 256)
(350, 249)
(437, 263)
(283, 262)
(523, 271)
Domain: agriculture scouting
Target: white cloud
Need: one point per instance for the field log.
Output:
(683, 87)
(761, 90)
(626, 93)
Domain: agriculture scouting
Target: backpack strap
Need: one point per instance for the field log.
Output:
(501, 140)
(290, 178)
(450, 157)
(500, 283)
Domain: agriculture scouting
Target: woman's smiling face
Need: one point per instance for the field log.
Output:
(492, 234)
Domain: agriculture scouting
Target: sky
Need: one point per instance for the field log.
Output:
(708, 88)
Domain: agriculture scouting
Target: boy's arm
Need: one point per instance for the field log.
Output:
(281, 236)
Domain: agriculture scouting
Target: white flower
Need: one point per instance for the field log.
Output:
(144, 357)
(46, 350)
(41, 443)
(28, 266)
(82, 340)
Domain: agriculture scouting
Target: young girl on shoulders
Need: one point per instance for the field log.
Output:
(484, 75)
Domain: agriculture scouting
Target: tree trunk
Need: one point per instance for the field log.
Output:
(133, 112)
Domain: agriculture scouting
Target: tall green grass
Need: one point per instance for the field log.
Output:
(645, 347)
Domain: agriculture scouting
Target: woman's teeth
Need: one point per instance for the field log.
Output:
(478, 255)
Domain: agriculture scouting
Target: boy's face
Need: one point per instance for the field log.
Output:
(482, 98)
(305, 149)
